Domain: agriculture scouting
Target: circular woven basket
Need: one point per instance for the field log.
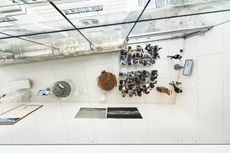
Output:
(107, 81)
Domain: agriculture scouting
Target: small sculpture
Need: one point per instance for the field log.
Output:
(177, 56)
(176, 88)
(164, 90)
(178, 67)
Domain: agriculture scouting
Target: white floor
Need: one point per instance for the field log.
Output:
(54, 123)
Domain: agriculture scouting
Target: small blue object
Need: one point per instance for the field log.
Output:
(5, 121)
(43, 92)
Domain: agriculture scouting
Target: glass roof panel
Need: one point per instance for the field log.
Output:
(88, 13)
(2, 35)
(14, 50)
(30, 19)
(66, 41)
(40, 29)
(15, 3)
(19, 45)
(173, 8)
(107, 35)
(178, 23)
(29, 16)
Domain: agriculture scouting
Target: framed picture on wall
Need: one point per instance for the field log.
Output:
(188, 67)
(15, 114)
(43, 92)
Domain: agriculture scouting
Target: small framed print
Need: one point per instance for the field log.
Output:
(188, 67)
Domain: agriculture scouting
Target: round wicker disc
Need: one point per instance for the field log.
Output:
(107, 81)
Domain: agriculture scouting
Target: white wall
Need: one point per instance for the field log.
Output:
(55, 123)
(200, 115)
(208, 89)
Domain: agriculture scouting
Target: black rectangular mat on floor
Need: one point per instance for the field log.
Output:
(123, 112)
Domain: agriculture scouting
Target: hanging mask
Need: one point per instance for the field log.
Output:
(153, 72)
(120, 87)
(148, 47)
(122, 82)
(123, 94)
(139, 48)
(152, 85)
(139, 93)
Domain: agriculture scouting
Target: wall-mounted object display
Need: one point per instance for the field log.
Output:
(61, 89)
(91, 113)
(107, 81)
(139, 56)
(175, 87)
(135, 83)
(177, 56)
(164, 90)
(188, 67)
(15, 114)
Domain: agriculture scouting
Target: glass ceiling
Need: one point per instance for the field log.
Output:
(69, 27)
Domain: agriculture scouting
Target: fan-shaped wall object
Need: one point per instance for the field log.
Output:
(107, 81)
(62, 89)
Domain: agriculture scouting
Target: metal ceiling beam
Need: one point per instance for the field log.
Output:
(152, 40)
(186, 33)
(206, 28)
(162, 39)
(90, 43)
(114, 24)
(127, 37)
